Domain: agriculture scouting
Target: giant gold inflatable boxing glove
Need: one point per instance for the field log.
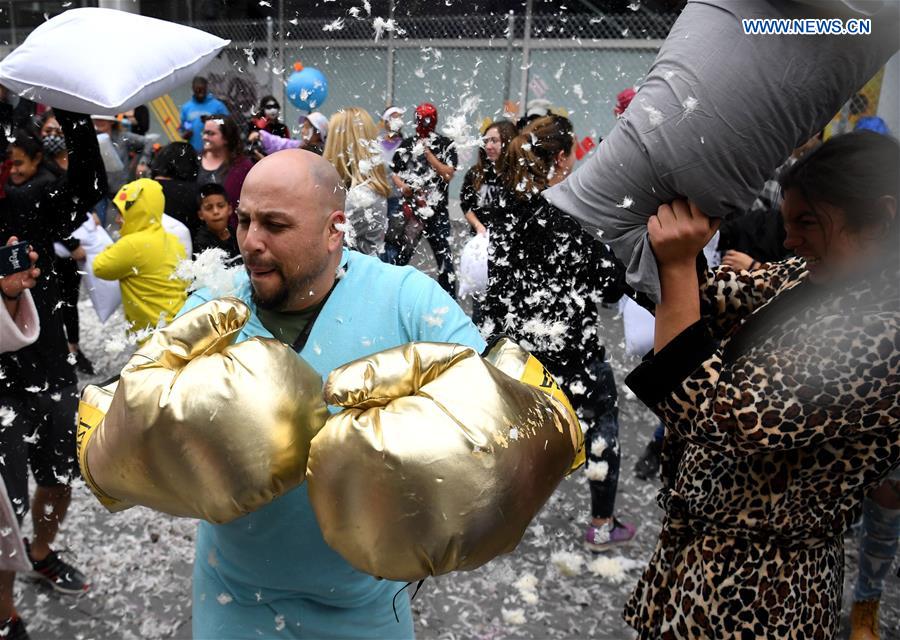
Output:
(198, 426)
(439, 460)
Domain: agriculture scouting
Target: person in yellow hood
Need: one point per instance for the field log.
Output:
(144, 258)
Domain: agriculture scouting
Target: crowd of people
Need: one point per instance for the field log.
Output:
(762, 472)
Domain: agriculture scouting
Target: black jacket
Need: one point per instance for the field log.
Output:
(45, 209)
(413, 168)
(205, 239)
(484, 201)
(546, 276)
(182, 198)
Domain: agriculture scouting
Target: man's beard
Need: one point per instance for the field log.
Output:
(273, 303)
(285, 294)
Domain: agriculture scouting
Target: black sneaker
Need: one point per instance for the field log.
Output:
(647, 468)
(83, 364)
(61, 576)
(13, 629)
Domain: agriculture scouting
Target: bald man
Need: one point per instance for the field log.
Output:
(270, 573)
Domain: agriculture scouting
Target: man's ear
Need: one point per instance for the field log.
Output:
(337, 222)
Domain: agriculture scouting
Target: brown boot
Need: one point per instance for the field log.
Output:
(864, 620)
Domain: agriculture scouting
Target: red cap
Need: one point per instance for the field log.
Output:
(623, 100)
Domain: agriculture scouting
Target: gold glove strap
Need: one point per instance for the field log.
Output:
(517, 363)
(89, 418)
(536, 375)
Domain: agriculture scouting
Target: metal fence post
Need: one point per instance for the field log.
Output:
(12, 25)
(280, 88)
(270, 53)
(389, 93)
(510, 33)
(526, 58)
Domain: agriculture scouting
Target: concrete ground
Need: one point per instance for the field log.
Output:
(139, 561)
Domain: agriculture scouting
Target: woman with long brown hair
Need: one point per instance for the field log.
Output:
(481, 189)
(545, 276)
(223, 160)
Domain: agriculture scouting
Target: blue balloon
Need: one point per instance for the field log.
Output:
(307, 89)
(872, 123)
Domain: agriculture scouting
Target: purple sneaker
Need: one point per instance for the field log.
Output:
(608, 535)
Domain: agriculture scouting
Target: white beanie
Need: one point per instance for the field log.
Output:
(538, 107)
(320, 122)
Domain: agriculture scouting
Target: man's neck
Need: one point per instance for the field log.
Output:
(316, 293)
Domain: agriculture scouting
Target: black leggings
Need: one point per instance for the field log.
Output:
(436, 230)
(40, 434)
(69, 282)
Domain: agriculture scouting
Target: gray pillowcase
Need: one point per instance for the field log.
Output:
(716, 114)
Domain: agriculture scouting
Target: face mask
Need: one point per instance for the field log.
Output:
(425, 127)
(395, 124)
(271, 114)
(54, 144)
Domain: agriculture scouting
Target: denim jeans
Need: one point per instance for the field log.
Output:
(877, 547)
(660, 432)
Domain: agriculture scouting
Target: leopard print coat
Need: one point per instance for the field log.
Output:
(781, 412)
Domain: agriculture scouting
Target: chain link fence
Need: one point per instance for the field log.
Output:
(473, 62)
(463, 64)
(472, 67)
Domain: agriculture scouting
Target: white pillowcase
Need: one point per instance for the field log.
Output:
(473, 266)
(106, 296)
(104, 61)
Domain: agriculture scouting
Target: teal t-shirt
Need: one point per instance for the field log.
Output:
(275, 558)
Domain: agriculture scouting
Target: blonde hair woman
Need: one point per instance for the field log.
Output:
(352, 147)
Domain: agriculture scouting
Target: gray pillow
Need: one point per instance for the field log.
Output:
(716, 114)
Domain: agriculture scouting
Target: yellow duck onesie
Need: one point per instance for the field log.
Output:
(145, 257)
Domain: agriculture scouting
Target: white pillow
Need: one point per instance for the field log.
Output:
(180, 231)
(106, 296)
(640, 327)
(104, 61)
(473, 266)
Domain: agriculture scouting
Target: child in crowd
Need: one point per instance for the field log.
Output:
(214, 211)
